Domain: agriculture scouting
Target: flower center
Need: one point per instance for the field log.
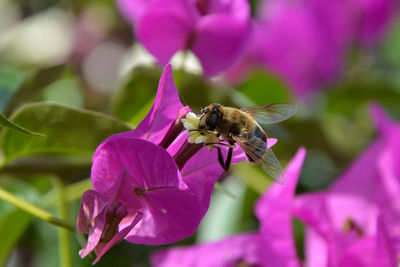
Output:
(139, 191)
(185, 153)
(350, 225)
(202, 6)
(114, 215)
(242, 263)
(175, 129)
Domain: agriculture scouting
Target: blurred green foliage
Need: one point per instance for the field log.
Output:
(67, 131)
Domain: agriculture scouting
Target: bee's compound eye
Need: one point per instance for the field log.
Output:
(212, 121)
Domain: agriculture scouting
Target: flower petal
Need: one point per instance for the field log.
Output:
(271, 142)
(147, 165)
(100, 250)
(274, 212)
(166, 108)
(382, 121)
(169, 215)
(92, 204)
(228, 252)
(95, 233)
(132, 10)
(165, 27)
(350, 195)
(219, 41)
(202, 171)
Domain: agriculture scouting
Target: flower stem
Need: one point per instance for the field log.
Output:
(72, 192)
(64, 241)
(35, 211)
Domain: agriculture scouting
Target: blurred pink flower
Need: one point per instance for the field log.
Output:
(215, 30)
(376, 16)
(360, 212)
(243, 248)
(306, 42)
(273, 245)
(289, 42)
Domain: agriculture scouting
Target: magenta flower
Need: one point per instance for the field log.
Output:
(214, 30)
(148, 189)
(287, 41)
(274, 211)
(376, 16)
(107, 217)
(306, 42)
(273, 245)
(232, 251)
(170, 210)
(360, 210)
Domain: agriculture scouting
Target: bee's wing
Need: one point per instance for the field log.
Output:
(272, 113)
(268, 161)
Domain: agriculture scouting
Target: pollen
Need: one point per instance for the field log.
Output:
(196, 135)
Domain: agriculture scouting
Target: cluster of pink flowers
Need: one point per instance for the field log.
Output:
(355, 222)
(305, 42)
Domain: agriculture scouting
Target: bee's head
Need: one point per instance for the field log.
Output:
(210, 116)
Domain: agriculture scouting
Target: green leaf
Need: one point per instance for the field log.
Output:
(64, 91)
(392, 43)
(215, 226)
(9, 81)
(12, 226)
(13, 221)
(135, 99)
(68, 130)
(252, 176)
(261, 88)
(33, 86)
(139, 90)
(6, 123)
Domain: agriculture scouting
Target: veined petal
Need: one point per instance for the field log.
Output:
(146, 164)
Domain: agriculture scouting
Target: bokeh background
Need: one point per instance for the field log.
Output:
(84, 54)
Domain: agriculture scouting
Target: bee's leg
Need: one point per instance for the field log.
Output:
(222, 144)
(229, 157)
(220, 158)
(203, 131)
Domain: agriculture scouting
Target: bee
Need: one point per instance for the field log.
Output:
(242, 126)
